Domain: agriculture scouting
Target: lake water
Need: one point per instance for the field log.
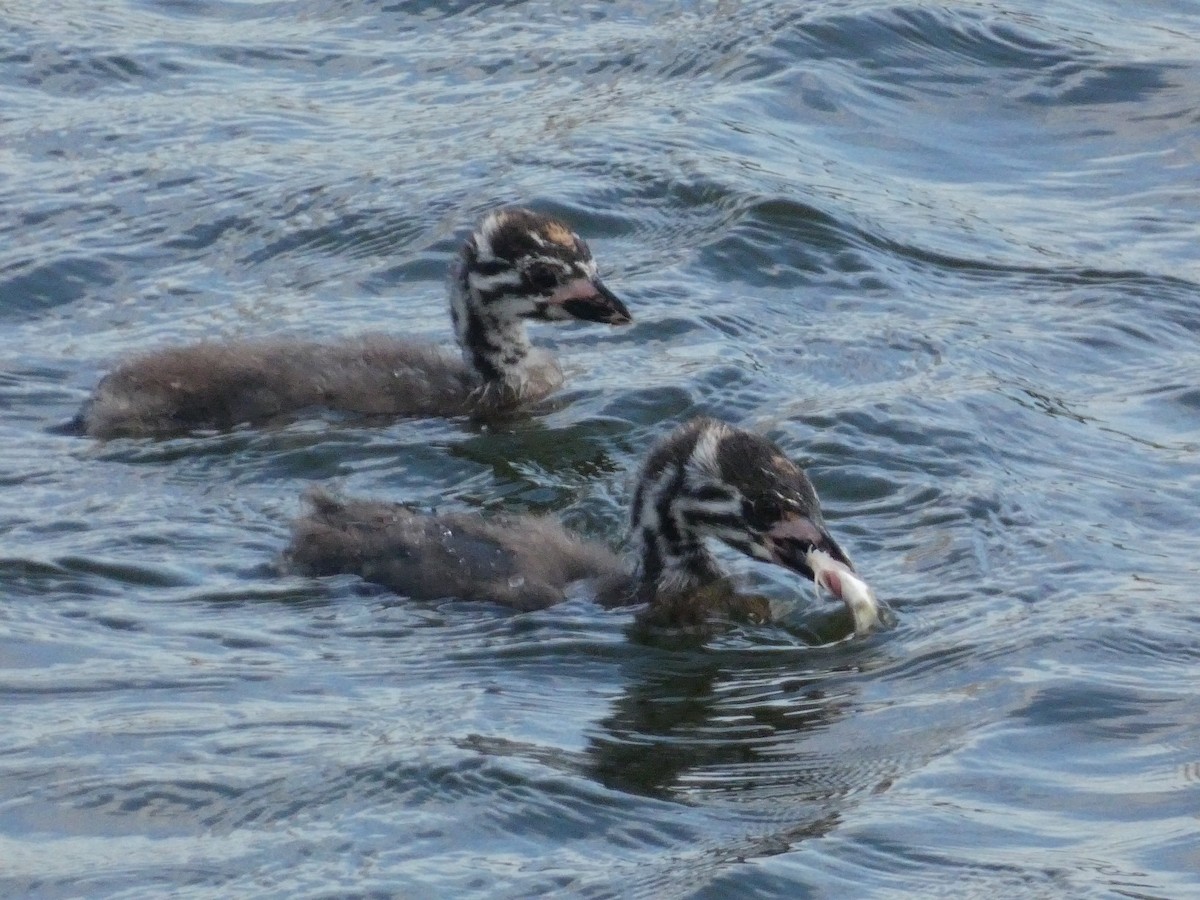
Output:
(948, 255)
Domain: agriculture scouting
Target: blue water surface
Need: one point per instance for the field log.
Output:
(946, 254)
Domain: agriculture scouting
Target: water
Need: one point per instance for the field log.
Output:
(946, 254)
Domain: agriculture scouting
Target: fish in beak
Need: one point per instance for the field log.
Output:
(800, 544)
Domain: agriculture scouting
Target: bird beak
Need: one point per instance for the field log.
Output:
(588, 299)
(801, 545)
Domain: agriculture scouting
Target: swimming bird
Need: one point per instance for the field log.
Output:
(705, 480)
(517, 265)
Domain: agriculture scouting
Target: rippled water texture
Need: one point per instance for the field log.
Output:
(945, 254)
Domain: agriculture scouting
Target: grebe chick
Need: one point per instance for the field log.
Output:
(517, 265)
(707, 479)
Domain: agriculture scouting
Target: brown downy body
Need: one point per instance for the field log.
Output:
(704, 480)
(516, 266)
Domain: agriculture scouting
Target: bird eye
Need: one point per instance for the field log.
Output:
(542, 276)
(759, 513)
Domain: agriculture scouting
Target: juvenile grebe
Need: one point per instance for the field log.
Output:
(705, 480)
(517, 265)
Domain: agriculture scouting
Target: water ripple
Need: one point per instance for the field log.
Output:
(944, 255)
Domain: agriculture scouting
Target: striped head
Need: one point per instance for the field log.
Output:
(708, 479)
(518, 265)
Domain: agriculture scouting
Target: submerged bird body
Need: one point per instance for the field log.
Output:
(704, 480)
(523, 561)
(518, 265)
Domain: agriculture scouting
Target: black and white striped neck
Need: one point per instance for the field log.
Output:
(670, 507)
(494, 342)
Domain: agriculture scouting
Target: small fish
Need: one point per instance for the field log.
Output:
(843, 583)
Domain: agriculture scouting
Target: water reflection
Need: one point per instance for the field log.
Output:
(730, 727)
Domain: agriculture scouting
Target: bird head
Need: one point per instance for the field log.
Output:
(708, 480)
(523, 264)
